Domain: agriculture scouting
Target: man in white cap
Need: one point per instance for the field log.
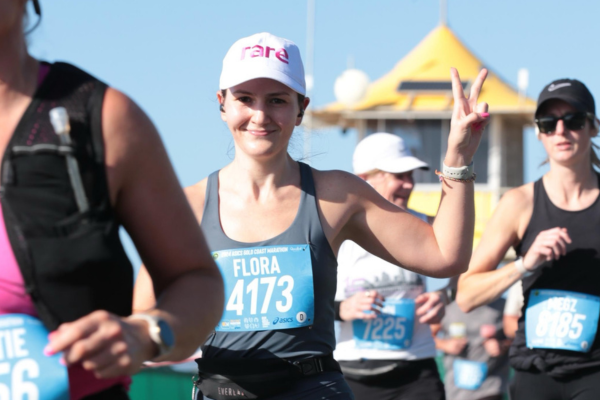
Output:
(383, 160)
(385, 347)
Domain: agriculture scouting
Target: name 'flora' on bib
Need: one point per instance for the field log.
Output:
(25, 372)
(391, 330)
(266, 288)
(558, 319)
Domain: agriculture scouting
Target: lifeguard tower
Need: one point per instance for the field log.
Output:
(414, 100)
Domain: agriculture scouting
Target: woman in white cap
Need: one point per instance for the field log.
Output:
(374, 294)
(62, 265)
(554, 226)
(275, 225)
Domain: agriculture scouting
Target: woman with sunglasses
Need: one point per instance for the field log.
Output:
(70, 177)
(274, 226)
(554, 227)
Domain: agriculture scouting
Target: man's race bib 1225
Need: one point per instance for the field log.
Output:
(558, 319)
(25, 372)
(391, 330)
(266, 288)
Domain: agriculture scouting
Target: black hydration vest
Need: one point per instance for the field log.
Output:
(72, 263)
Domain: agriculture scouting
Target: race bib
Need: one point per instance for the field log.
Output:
(266, 288)
(391, 330)
(25, 372)
(557, 319)
(469, 375)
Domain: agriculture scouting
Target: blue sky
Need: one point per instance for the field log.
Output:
(167, 55)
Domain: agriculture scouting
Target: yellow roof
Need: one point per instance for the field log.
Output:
(430, 61)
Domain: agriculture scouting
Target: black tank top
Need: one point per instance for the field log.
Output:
(577, 271)
(315, 340)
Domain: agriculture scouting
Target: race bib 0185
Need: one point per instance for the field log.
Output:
(25, 372)
(266, 288)
(391, 330)
(558, 319)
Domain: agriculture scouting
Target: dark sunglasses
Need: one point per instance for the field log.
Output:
(572, 121)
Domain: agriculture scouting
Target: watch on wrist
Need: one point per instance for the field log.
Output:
(521, 267)
(461, 173)
(160, 333)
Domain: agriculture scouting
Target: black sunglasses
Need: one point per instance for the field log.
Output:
(573, 121)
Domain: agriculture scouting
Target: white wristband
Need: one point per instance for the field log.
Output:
(521, 267)
(462, 173)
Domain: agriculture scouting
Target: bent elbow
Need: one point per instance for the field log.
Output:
(460, 268)
(463, 302)
(452, 270)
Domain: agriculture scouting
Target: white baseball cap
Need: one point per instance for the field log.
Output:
(385, 152)
(263, 56)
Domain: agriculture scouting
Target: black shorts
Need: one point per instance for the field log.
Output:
(584, 385)
(409, 380)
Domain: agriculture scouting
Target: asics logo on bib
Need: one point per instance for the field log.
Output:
(267, 52)
(282, 320)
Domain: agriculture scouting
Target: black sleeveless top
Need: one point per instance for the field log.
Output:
(72, 263)
(315, 340)
(577, 271)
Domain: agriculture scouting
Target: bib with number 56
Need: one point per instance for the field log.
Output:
(391, 330)
(266, 288)
(25, 372)
(558, 319)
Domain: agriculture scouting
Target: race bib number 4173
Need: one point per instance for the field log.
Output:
(266, 288)
(25, 372)
(557, 319)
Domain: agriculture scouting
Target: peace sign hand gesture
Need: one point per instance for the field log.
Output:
(468, 121)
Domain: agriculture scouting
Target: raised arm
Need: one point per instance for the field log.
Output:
(149, 201)
(441, 250)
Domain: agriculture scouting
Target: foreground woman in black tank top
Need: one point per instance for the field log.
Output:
(554, 226)
(274, 227)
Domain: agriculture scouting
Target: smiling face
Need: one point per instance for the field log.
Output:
(564, 146)
(396, 188)
(261, 115)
